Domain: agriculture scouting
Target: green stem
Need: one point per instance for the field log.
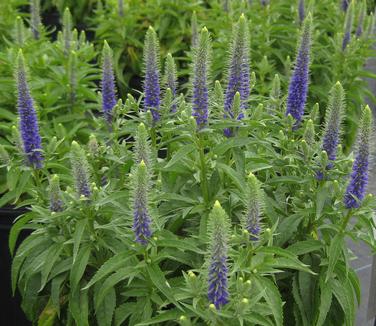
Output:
(204, 188)
(346, 219)
(153, 136)
(204, 181)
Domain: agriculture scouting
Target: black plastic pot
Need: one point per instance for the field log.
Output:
(11, 313)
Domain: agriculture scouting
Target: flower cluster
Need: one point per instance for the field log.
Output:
(151, 81)
(217, 258)
(80, 169)
(29, 129)
(239, 71)
(298, 86)
(356, 188)
(108, 84)
(141, 214)
(251, 218)
(200, 79)
(333, 120)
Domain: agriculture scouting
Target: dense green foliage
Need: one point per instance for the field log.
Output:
(82, 265)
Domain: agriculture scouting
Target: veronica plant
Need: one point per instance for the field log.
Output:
(239, 71)
(108, 84)
(200, 80)
(118, 251)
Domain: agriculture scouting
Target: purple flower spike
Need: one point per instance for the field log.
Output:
(333, 120)
(80, 169)
(108, 84)
(141, 216)
(28, 121)
(194, 30)
(356, 189)
(298, 87)
(362, 14)
(171, 78)
(348, 26)
(251, 219)
(344, 5)
(218, 269)
(151, 83)
(301, 11)
(238, 74)
(35, 21)
(56, 204)
(200, 83)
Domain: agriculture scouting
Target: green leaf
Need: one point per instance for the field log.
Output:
(123, 312)
(77, 236)
(304, 247)
(78, 267)
(179, 155)
(111, 265)
(55, 291)
(282, 262)
(325, 302)
(170, 315)
(48, 315)
(7, 197)
(224, 146)
(298, 300)
(24, 179)
(287, 179)
(16, 229)
(234, 176)
(180, 244)
(33, 241)
(111, 281)
(287, 228)
(78, 306)
(159, 280)
(52, 257)
(333, 254)
(272, 297)
(345, 296)
(105, 310)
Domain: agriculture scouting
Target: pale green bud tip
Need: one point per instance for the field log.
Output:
(55, 178)
(248, 282)
(217, 204)
(267, 230)
(204, 30)
(245, 300)
(191, 274)
(241, 279)
(212, 306)
(142, 163)
(251, 175)
(245, 232)
(183, 318)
